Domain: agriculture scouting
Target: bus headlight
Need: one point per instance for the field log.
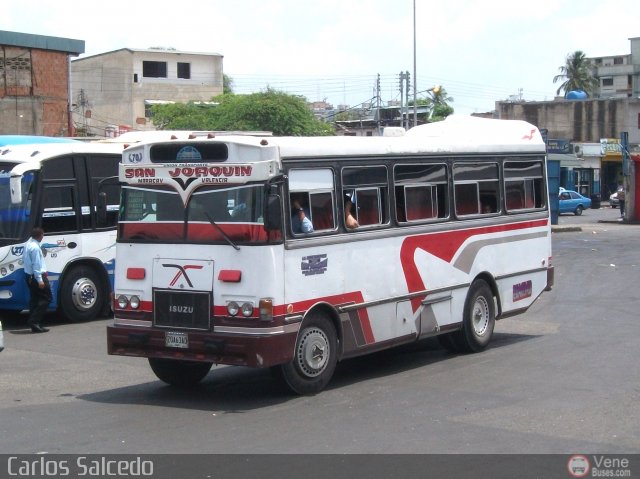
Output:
(233, 308)
(247, 309)
(3, 271)
(122, 301)
(134, 302)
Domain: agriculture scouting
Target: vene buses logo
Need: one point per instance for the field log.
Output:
(182, 272)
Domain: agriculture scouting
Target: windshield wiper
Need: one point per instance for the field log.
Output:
(224, 235)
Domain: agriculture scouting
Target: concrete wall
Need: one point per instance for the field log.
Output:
(579, 120)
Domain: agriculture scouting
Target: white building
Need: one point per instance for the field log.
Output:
(619, 75)
(112, 92)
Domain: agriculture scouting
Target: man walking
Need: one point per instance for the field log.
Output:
(36, 275)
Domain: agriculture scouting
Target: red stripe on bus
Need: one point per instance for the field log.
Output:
(445, 245)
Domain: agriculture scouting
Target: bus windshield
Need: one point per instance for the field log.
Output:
(213, 215)
(14, 217)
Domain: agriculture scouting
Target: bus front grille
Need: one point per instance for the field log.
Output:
(182, 309)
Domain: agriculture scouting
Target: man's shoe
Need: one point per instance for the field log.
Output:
(39, 329)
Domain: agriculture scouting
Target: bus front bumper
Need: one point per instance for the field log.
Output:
(239, 349)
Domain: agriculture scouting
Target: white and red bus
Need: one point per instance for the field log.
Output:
(453, 232)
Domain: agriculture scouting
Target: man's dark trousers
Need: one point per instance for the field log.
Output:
(39, 300)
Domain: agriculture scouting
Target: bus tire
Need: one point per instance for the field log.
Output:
(82, 294)
(479, 319)
(315, 357)
(178, 372)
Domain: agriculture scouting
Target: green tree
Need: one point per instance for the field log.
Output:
(227, 84)
(576, 74)
(271, 110)
(181, 116)
(439, 103)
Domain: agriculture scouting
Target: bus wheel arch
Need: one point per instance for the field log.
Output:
(315, 355)
(83, 290)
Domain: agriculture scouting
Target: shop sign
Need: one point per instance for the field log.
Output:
(558, 146)
(610, 147)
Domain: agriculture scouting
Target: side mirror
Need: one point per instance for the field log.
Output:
(101, 209)
(273, 213)
(15, 184)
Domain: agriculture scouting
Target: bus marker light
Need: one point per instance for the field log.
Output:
(230, 275)
(136, 273)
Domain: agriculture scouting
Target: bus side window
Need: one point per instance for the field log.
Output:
(476, 188)
(467, 201)
(59, 213)
(421, 192)
(322, 211)
(370, 197)
(523, 185)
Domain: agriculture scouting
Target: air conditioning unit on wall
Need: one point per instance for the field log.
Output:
(577, 150)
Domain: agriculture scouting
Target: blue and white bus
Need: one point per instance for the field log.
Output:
(55, 185)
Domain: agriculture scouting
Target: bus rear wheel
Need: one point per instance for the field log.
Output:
(179, 373)
(479, 319)
(315, 357)
(82, 294)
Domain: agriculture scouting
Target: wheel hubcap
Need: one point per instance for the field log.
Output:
(313, 352)
(480, 315)
(84, 294)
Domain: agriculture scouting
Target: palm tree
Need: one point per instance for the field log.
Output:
(440, 108)
(577, 75)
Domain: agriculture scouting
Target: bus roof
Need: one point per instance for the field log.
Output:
(32, 139)
(456, 134)
(32, 154)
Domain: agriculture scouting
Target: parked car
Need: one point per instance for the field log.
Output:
(614, 202)
(573, 202)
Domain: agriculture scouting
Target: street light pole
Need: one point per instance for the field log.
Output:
(415, 76)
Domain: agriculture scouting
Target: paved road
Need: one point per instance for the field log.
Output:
(562, 378)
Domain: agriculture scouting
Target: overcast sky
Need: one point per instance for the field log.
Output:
(481, 51)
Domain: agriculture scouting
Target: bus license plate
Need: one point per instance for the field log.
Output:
(176, 340)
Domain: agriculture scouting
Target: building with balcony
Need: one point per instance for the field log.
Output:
(619, 75)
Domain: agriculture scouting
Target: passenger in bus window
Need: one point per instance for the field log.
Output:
(300, 222)
(349, 220)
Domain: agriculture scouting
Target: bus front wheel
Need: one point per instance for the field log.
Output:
(82, 294)
(479, 319)
(315, 357)
(179, 373)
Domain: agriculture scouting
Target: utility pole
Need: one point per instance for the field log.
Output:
(402, 99)
(405, 86)
(408, 80)
(415, 75)
(378, 104)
